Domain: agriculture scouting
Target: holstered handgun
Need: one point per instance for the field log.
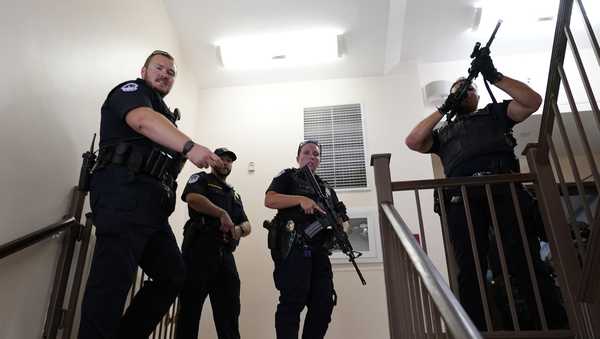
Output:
(281, 238)
(272, 242)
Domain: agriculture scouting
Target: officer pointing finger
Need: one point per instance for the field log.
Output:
(132, 194)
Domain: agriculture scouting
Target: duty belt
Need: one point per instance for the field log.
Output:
(153, 162)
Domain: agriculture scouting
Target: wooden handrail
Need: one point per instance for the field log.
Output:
(458, 181)
(33, 238)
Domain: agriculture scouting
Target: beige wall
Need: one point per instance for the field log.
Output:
(59, 60)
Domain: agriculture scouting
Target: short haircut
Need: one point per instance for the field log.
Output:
(158, 52)
(460, 80)
(303, 143)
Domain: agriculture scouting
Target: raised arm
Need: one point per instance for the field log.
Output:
(525, 100)
(420, 138)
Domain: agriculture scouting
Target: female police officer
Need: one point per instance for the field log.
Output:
(302, 272)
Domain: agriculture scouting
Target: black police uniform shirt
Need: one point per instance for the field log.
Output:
(121, 100)
(137, 198)
(291, 181)
(220, 194)
(481, 141)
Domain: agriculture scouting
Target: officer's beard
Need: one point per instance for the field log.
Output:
(158, 90)
(222, 173)
(466, 107)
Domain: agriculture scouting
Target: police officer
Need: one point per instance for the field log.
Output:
(207, 250)
(132, 196)
(302, 272)
(480, 142)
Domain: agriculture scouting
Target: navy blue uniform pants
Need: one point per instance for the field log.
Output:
(211, 271)
(127, 238)
(304, 279)
(514, 251)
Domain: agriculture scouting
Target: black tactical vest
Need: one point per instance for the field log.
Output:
(301, 187)
(484, 132)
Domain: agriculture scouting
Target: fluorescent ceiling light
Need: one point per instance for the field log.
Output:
(280, 50)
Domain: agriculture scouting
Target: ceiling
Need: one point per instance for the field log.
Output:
(200, 23)
(378, 34)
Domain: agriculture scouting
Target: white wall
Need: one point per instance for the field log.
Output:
(263, 124)
(59, 60)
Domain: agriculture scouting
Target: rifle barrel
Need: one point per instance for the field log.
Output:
(489, 43)
(473, 73)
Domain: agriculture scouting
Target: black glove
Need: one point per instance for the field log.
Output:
(483, 64)
(451, 103)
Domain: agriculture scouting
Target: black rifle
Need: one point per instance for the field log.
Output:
(333, 219)
(462, 90)
(87, 165)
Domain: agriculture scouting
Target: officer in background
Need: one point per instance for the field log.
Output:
(214, 207)
(302, 272)
(481, 142)
(132, 195)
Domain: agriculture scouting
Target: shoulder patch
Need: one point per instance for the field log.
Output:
(194, 178)
(130, 87)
